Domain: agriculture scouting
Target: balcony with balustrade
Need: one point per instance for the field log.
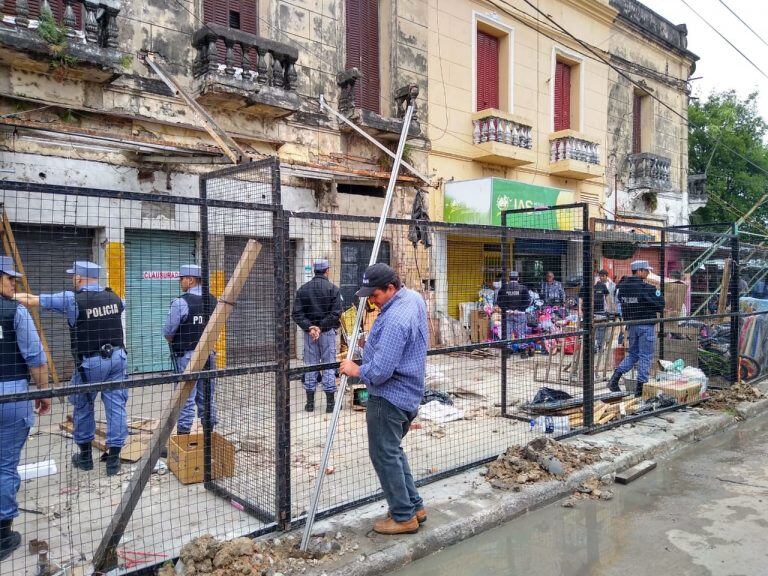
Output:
(73, 38)
(502, 139)
(649, 172)
(241, 71)
(575, 156)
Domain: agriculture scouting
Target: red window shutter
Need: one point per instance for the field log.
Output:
(636, 124)
(487, 71)
(362, 29)
(249, 19)
(562, 111)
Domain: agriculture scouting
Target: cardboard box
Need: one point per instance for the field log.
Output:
(682, 390)
(185, 457)
(684, 344)
(478, 328)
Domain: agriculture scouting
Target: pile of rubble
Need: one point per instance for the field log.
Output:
(729, 398)
(539, 460)
(591, 489)
(245, 557)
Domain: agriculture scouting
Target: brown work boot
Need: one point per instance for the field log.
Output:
(389, 526)
(421, 515)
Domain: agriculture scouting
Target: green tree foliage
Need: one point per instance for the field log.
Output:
(726, 134)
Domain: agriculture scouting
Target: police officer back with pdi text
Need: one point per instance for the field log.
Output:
(187, 318)
(21, 355)
(94, 314)
(639, 301)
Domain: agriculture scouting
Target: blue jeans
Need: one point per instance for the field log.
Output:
(321, 352)
(387, 426)
(16, 418)
(98, 369)
(642, 338)
(196, 396)
(517, 327)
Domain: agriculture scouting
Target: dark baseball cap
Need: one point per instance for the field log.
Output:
(376, 276)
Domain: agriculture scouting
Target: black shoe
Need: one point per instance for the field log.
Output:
(113, 461)
(330, 400)
(83, 459)
(613, 383)
(310, 405)
(9, 540)
(639, 390)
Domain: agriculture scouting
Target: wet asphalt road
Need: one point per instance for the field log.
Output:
(704, 511)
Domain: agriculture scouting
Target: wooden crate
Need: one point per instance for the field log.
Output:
(185, 457)
(682, 391)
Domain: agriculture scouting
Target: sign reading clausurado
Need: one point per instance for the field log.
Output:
(482, 201)
(160, 274)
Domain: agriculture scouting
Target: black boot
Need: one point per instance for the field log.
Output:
(9, 540)
(310, 405)
(330, 400)
(113, 460)
(613, 383)
(639, 390)
(84, 458)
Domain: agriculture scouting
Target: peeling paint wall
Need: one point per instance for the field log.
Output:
(652, 52)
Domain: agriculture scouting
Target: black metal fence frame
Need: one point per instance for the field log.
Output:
(280, 364)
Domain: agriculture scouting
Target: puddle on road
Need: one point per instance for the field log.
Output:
(693, 515)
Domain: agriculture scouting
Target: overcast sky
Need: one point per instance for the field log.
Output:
(720, 66)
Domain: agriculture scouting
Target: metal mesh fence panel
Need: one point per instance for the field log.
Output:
(487, 359)
(524, 336)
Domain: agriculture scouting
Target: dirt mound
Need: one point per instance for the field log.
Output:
(727, 399)
(245, 557)
(539, 460)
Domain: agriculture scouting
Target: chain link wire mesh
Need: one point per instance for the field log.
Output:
(523, 338)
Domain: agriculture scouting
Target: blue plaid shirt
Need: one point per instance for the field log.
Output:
(395, 353)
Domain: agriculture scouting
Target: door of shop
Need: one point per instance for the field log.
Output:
(152, 260)
(46, 252)
(355, 256)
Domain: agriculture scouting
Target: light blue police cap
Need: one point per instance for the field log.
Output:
(6, 267)
(640, 265)
(190, 270)
(321, 265)
(85, 268)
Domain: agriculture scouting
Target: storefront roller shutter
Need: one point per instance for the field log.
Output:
(148, 296)
(47, 252)
(251, 327)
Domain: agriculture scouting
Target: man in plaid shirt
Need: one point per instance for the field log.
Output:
(394, 360)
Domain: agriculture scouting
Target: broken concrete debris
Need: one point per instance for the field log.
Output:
(244, 556)
(591, 489)
(540, 459)
(727, 399)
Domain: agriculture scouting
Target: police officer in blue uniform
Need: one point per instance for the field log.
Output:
(98, 346)
(184, 325)
(317, 311)
(21, 355)
(639, 301)
(513, 299)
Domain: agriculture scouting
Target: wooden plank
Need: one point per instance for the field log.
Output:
(722, 303)
(105, 557)
(635, 472)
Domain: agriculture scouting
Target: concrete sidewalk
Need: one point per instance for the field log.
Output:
(466, 505)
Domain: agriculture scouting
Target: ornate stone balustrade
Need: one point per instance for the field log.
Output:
(495, 128)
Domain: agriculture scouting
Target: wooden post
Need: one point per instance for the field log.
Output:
(722, 303)
(9, 245)
(105, 557)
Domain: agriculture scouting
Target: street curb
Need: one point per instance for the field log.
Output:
(488, 508)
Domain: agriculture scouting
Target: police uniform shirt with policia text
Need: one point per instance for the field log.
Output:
(513, 296)
(639, 300)
(98, 322)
